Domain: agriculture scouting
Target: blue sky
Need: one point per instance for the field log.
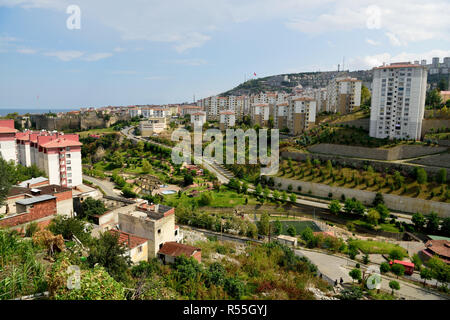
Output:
(155, 52)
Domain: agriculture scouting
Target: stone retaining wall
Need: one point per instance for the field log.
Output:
(395, 153)
(404, 168)
(393, 202)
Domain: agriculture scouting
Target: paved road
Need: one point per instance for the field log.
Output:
(105, 185)
(335, 267)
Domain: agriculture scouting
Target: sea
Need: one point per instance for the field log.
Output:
(22, 111)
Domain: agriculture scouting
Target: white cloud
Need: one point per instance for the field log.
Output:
(119, 49)
(372, 42)
(190, 24)
(97, 56)
(65, 55)
(394, 40)
(26, 51)
(368, 62)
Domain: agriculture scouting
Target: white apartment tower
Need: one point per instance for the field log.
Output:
(398, 101)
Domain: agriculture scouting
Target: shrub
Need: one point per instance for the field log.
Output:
(396, 254)
(384, 267)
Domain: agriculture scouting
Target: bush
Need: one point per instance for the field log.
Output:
(396, 254)
(384, 267)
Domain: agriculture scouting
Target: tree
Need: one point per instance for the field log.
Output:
(291, 231)
(365, 97)
(432, 222)
(264, 224)
(445, 228)
(394, 285)
(396, 254)
(417, 261)
(292, 197)
(244, 188)
(188, 180)
(384, 267)
(266, 192)
(366, 259)
(258, 189)
(95, 284)
(421, 177)
(284, 196)
(355, 274)
(335, 207)
(378, 199)
(276, 195)
(442, 175)
(418, 220)
(6, 179)
(373, 216)
(205, 199)
(109, 253)
(91, 207)
(277, 227)
(69, 227)
(440, 270)
(359, 208)
(426, 274)
(433, 99)
(146, 167)
(398, 269)
(349, 206)
(382, 210)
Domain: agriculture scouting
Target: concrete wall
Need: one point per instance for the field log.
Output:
(395, 153)
(393, 202)
(428, 124)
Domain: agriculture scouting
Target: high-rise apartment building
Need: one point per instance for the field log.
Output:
(398, 101)
(343, 95)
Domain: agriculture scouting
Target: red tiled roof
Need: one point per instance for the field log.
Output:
(227, 112)
(303, 99)
(440, 247)
(7, 130)
(175, 249)
(130, 240)
(62, 142)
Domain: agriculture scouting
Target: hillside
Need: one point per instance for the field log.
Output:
(286, 82)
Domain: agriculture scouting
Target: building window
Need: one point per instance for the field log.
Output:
(69, 181)
(69, 168)
(140, 249)
(159, 231)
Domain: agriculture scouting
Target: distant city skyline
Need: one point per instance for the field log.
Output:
(165, 52)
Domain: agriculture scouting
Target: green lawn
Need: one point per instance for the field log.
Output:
(222, 199)
(298, 225)
(369, 246)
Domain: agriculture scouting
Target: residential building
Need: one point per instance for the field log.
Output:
(343, 95)
(398, 101)
(198, 118)
(154, 222)
(280, 111)
(260, 114)
(137, 247)
(170, 250)
(301, 115)
(152, 125)
(8, 150)
(227, 119)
